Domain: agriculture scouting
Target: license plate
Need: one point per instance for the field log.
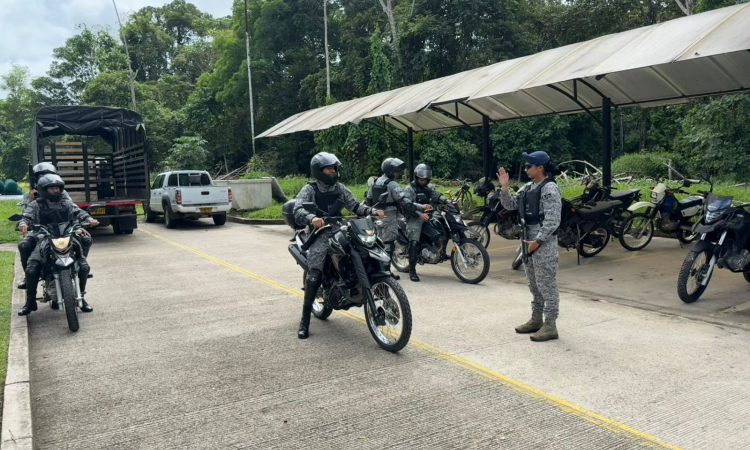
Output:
(99, 212)
(206, 210)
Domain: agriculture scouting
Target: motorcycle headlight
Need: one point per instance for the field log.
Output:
(458, 218)
(712, 217)
(369, 239)
(61, 244)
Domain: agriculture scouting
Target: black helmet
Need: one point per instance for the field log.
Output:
(392, 165)
(423, 171)
(46, 182)
(321, 161)
(41, 169)
(482, 188)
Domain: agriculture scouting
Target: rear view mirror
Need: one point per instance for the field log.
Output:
(706, 176)
(310, 207)
(15, 218)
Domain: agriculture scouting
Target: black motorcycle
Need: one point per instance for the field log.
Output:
(506, 222)
(60, 249)
(593, 192)
(723, 243)
(355, 275)
(469, 259)
(586, 227)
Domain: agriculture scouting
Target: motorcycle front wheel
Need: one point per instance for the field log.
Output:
(477, 264)
(390, 322)
(692, 273)
(636, 232)
(69, 299)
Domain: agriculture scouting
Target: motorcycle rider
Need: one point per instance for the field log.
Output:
(50, 208)
(392, 168)
(542, 200)
(420, 193)
(324, 192)
(27, 244)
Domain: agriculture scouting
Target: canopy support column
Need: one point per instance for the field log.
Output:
(486, 148)
(607, 142)
(410, 151)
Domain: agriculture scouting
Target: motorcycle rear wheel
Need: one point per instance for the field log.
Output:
(636, 232)
(400, 257)
(587, 250)
(390, 324)
(69, 298)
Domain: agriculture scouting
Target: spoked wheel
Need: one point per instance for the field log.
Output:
(636, 232)
(465, 203)
(594, 242)
(69, 299)
(400, 257)
(390, 323)
(320, 308)
(474, 266)
(484, 232)
(694, 270)
(518, 261)
(686, 237)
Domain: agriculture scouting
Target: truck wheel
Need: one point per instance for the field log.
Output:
(169, 219)
(220, 219)
(150, 215)
(116, 226)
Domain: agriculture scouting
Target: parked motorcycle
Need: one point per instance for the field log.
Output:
(594, 192)
(469, 259)
(665, 212)
(61, 249)
(586, 227)
(506, 223)
(355, 275)
(723, 230)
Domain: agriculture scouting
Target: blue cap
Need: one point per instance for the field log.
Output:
(536, 158)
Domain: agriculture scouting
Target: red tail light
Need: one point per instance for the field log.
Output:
(178, 196)
(652, 188)
(230, 195)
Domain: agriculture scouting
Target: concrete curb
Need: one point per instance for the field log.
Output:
(245, 221)
(17, 426)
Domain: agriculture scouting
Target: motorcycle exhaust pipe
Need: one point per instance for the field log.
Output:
(686, 227)
(298, 256)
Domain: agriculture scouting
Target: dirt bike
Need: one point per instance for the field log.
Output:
(355, 275)
(469, 259)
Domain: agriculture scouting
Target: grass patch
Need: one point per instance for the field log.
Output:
(8, 231)
(6, 285)
(740, 193)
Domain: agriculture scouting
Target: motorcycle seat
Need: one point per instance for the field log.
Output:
(694, 200)
(623, 195)
(598, 208)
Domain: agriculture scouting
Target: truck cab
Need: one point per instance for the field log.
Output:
(187, 194)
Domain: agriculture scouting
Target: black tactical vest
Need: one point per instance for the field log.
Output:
(423, 197)
(377, 191)
(49, 215)
(533, 213)
(325, 200)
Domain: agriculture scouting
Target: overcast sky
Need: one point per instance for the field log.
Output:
(30, 29)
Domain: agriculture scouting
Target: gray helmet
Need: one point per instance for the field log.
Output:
(392, 165)
(41, 169)
(46, 182)
(423, 171)
(321, 161)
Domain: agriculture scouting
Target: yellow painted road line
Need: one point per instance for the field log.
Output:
(563, 405)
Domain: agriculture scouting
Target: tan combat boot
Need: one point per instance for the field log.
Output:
(547, 333)
(533, 325)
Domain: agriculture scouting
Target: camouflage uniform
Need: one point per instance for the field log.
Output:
(413, 218)
(318, 251)
(389, 229)
(541, 266)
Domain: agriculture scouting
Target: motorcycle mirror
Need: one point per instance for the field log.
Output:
(310, 207)
(706, 176)
(15, 217)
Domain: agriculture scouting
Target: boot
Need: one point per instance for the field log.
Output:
(533, 325)
(413, 258)
(304, 325)
(391, 246)
(547, 333)
(22, 285)
(85, 307)
(311, 290)
(29, 306)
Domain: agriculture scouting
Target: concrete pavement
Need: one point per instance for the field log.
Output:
(192, 344)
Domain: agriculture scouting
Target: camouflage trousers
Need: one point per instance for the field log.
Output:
(319, 251)
(541, 274)
(388, 232)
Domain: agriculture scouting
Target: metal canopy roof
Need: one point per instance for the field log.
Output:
(671, 62)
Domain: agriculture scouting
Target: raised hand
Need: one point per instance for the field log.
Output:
(503, 177)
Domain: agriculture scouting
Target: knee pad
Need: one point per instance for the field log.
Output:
(83, 267)
(33, 269)
(314, 277)
(26, 245)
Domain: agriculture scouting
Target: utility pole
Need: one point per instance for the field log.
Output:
(325, 38)
(131, 77)
(249, 81)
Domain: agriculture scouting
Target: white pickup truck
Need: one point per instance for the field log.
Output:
(187, 194)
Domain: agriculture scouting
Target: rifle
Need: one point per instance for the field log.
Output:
(522, 219)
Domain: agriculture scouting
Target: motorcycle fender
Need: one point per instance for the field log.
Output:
(64, 261)
(378, 254)
(701, 246)
(298, 256)
(359, 268)
(639, 205)
(401, 237)
(376, 277)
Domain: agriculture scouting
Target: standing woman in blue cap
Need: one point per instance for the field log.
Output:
(542, 202)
